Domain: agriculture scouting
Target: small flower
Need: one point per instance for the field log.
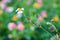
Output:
(43, 14)
(39, 1)
(14, 18)
(20, 26)
(55, 19)
(2, 5)
(19, 9)
(19, 12)
(37, 5)
(11, 26)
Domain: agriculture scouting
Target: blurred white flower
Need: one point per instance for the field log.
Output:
(9, 36)
(9, 9)
(43, 14)
(20, 26)
(32, 28)
(19, 9)
(19, 12)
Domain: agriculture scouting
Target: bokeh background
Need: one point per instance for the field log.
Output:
(29, 19)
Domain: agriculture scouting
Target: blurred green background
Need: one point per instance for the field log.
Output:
(40, 20)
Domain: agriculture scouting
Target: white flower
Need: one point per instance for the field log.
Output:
(19, 12)
(22, 9)
(18, 9)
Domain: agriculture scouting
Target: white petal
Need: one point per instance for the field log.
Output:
(19, 12)
(22, 8)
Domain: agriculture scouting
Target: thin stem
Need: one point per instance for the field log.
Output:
(46, 31)
(41, 27)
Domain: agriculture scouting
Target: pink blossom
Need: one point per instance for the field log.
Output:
(9, 9)
(39, 1)
(43, 14)
(20, 26)
(3, 3)
(11, 26)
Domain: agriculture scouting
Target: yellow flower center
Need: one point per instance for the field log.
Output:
(14, 18)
